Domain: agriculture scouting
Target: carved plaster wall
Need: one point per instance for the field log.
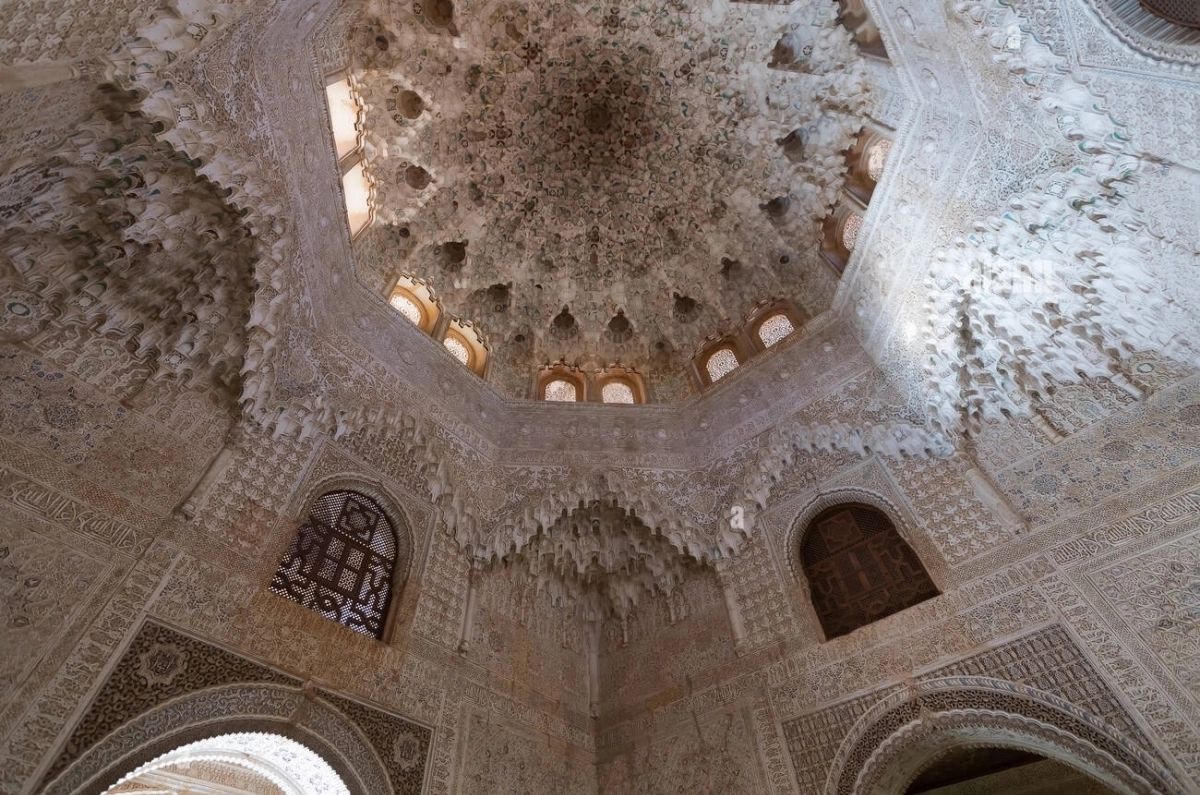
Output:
(187, 359)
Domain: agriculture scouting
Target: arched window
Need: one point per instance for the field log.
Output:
(344, 113)
(859, 568)
(877, 155)
(464, 343)
(721, 363)
(774, 329)
(405, 305)
(563, 383)
(341, 562)
(620, 385)
(617, 392)
(850, 229)
(458, 348)
(561, 390)
(840, 232)
(413, 299)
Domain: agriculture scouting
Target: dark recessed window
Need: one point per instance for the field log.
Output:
(859, 568)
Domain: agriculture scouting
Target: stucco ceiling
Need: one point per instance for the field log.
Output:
(600, 185)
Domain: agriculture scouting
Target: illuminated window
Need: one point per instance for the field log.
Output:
(562, 390)
(358, 197)
(774, 328)
(414, 300)
(465, 343)
(408, 307)
(341, 561)
(458, 349)
(617, 392)
(721, 363)
(343, 117)
(850, 230)
(877, 157)
(356, 187)
(565, 383)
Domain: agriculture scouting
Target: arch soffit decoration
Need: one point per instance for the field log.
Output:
(900, 758)
(896, 758)
(228, 709)
(224, 749)
(1131, 27)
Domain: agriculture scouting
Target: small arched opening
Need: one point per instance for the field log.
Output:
(859, 568)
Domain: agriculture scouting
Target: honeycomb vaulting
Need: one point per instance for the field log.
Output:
(941, 525)
(600, 184)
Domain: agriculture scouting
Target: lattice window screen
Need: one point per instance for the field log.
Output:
(1181, 12)
(860, 569)
(341, 561)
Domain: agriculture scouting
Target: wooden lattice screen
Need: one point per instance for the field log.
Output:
(341, 561)
(859, 568)
(1181, 12)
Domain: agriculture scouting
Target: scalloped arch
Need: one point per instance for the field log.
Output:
(901, 757)
(883, 748)
(267, 754)
(224, 710)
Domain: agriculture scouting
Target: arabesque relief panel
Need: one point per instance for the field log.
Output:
(187, 355)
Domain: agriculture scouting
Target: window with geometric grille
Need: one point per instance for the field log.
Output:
(341, 561)
(721, 363)
(859, 568)
(562, 391)
(774, 329)
(1181, 12)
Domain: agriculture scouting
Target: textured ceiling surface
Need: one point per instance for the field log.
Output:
(600, 184)
(313, 356)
